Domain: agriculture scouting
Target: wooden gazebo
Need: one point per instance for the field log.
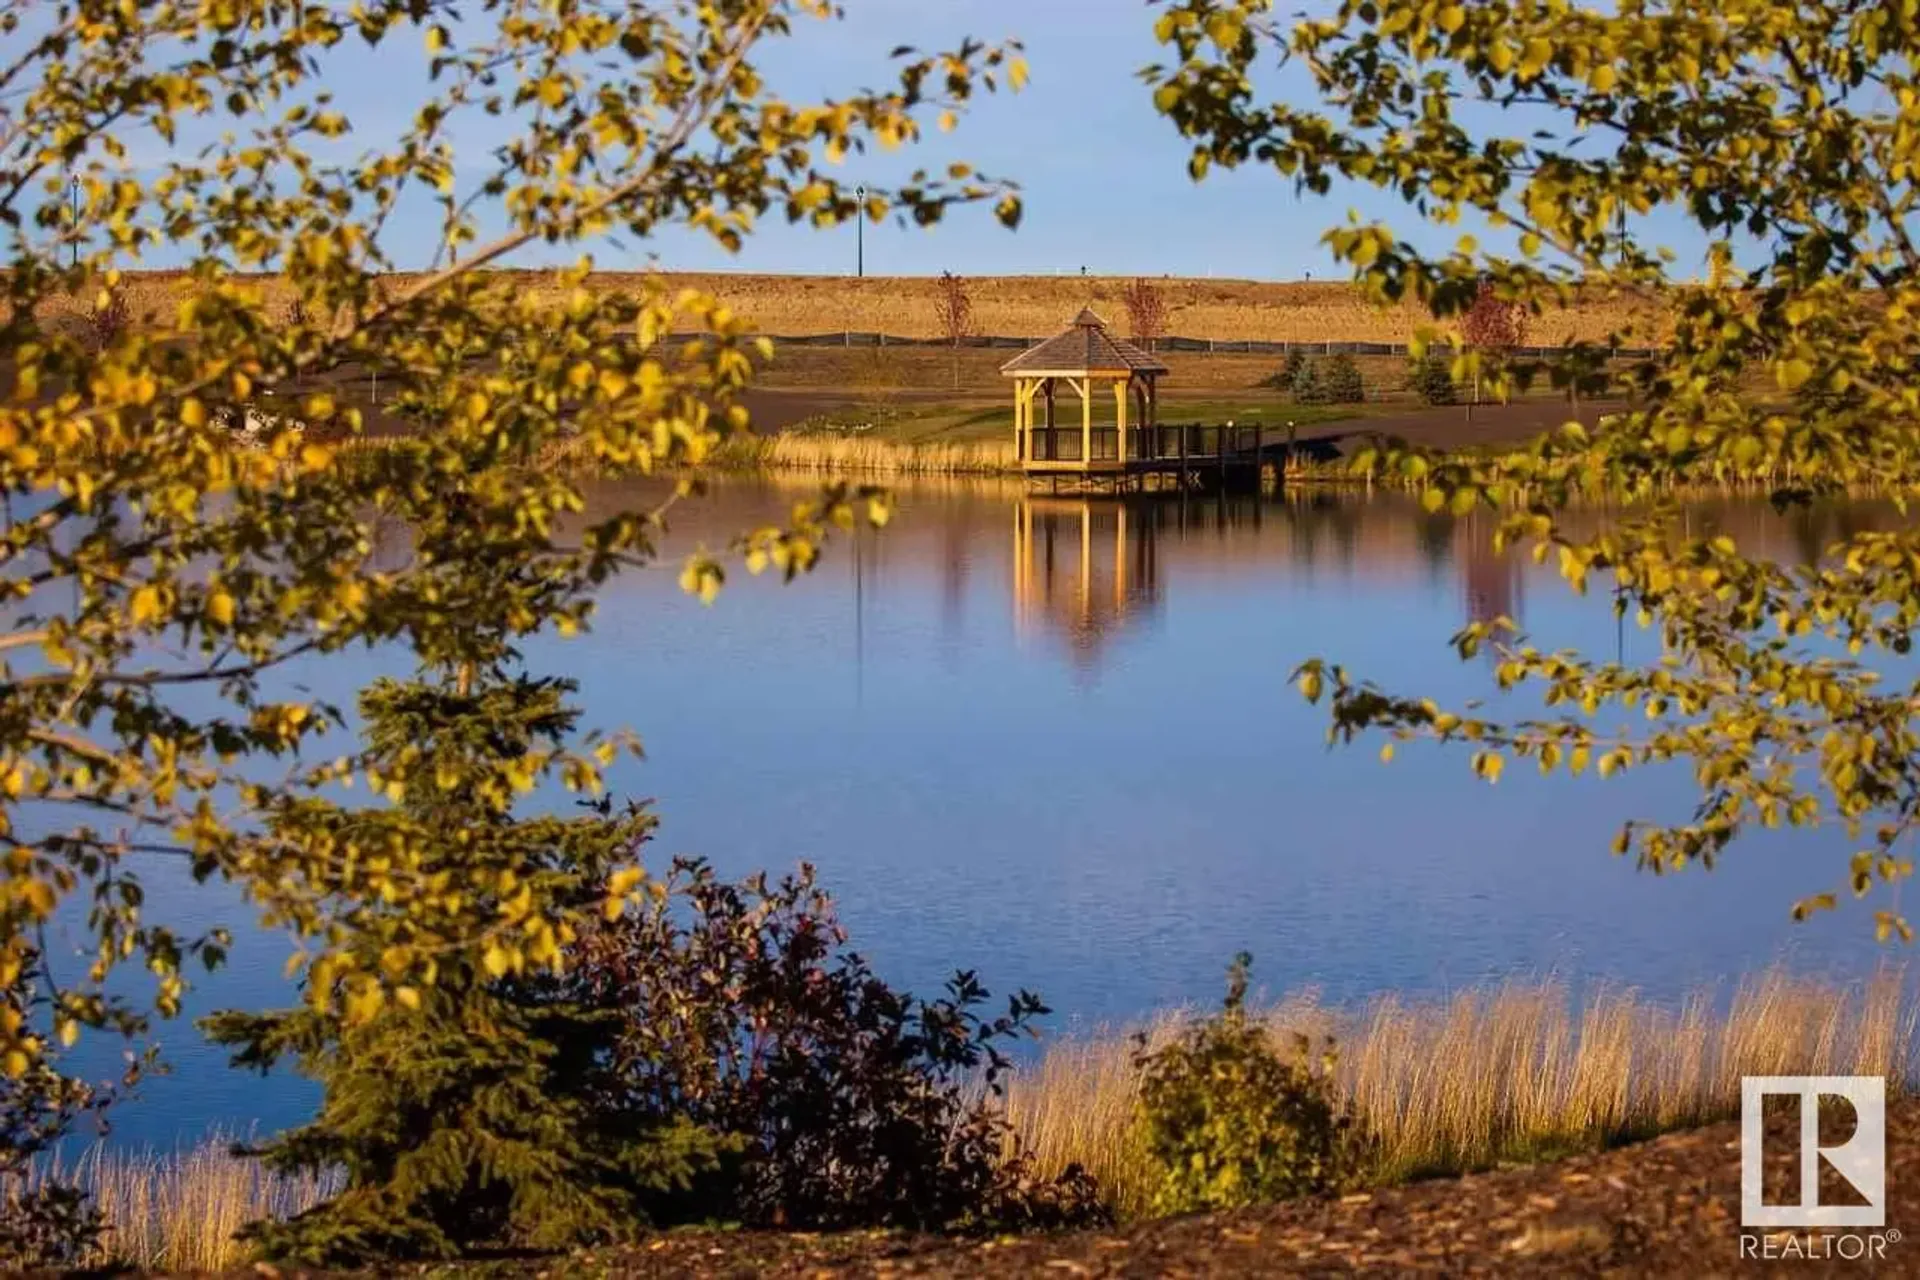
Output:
(1090, 362)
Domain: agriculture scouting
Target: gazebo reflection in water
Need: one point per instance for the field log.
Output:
(1086, 568)
(1082, 569)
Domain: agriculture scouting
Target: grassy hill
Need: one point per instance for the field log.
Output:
(1038, 306)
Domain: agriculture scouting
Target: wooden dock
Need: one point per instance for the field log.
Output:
(1142, 459)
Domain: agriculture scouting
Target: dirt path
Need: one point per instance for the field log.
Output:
(1457, 426)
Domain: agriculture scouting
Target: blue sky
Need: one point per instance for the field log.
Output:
(1103, 177)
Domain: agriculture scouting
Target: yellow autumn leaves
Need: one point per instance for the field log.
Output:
(166, 622)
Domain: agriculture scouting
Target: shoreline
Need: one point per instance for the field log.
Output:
(1495, 1075)
(853, 456)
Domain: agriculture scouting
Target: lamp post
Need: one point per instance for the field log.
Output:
(860, 232)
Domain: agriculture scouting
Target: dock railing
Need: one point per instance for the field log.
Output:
(1162, 442)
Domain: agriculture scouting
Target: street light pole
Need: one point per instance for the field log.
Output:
(860, 232)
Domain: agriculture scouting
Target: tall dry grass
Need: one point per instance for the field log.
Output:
(853, 455)
(800, 453)
(1513, 1072)
(179, 1211)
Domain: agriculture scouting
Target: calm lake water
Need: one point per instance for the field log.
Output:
(1054, 741)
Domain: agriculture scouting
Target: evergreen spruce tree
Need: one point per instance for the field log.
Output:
(479, 1110)
(1343, 382)
(1432, 378)
(1308, 386)
(1291, 372)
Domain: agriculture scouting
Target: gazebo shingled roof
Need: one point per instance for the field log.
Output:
(1086, 346)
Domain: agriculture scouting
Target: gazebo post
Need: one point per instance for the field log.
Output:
(1086, 420)
(1019, 419)
(1053, 438)
(1120, 418)
(1026, 419)
(1029, 388)
(1139, 413)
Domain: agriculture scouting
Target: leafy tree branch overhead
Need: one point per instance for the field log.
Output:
(1785, 134)
(146, 553)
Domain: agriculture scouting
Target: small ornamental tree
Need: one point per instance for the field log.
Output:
(106, 319)
(954, 310)
(1493, 323)
(1146, 307)
(1492, 327)
(162, 576)
(1784, 136)
(742, 1009)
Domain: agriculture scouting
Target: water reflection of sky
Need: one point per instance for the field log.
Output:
(1103, 793)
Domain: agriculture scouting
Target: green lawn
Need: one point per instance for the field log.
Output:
(1267, 411)
(958, 423)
